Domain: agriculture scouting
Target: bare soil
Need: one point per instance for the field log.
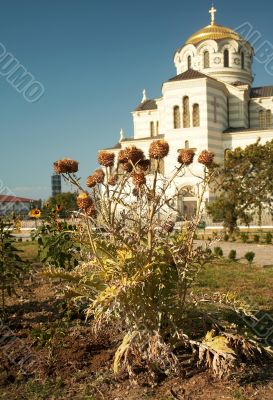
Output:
(70, 362)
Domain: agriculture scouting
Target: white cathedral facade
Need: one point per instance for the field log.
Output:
(209, 104)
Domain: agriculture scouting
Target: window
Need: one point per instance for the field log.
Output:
(243, 60)
(226, 58)
(187, 144)
(157, 127)
(268, 118)
(189, 62)
(176, 118)
(186, 112)
(206, 59)
(261, 119)
(195, 115)
(152, 128)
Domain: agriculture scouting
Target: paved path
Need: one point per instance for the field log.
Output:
(264, 252)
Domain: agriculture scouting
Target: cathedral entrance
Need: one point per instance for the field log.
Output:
(186, 203)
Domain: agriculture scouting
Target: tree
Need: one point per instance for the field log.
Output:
(66, 201)
(244, 185)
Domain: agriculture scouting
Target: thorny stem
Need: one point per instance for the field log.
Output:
(92, 241)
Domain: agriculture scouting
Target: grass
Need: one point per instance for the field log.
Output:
(29, 250)
(251, 282)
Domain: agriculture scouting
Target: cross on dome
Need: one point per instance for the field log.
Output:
(212, 12)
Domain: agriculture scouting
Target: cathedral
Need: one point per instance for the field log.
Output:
(209, 104)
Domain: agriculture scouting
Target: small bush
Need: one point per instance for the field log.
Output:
(268, 238)
(244, 237)
(256, 238)
(232, 255)
(218, 252)
(226, 237)
(249, 256)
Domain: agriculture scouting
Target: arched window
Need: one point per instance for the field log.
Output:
(243, 60)
(152, 128)
(268, 118)
(189, 62)
(261, 119)
(157, 127)
(186, 112)
(206, 59)
(176, 117)
(195, 115)
(187, 144)
(226, 58)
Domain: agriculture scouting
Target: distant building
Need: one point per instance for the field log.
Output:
(56, 184)
(18, 205)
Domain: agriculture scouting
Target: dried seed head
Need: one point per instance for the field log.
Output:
(144, 165)
(99, 175)
(91, 181)
(206, 158)
(133, 154)
(159, 149)
(136, 191)
(84, 201)
(122, 157)
(168, 226)
(186, 156)
(112, 180)
(91, 211)
(139, 179)
(106, 158)
(127, 167)
(66, 166)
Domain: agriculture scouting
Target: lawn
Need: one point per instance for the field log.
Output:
(251, 282)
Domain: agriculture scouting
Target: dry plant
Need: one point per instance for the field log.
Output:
(139, 273)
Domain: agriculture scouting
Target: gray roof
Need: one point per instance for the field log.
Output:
(187, 75)
(147, 105)
(263, 91)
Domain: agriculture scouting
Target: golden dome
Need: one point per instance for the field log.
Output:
(214, 32)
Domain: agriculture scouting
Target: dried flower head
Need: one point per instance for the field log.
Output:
(99, 175)
(136, 191)
(66, 166)
(127, 167)
(186, 156)
(106, 158)
(84, 201)
(112, 180)
(168, 226)
(91, 211)
(139, 179)
(133, 154)
(91, 181)
(144, 165)
(122, 157)
(159, 149)
(206, 158)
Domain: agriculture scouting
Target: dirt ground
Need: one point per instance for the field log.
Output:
(67, 361)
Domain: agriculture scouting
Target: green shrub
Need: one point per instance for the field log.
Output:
(12, 267)
(249, 256)
(256, 238)
(232, 255)
(226, 237)
(244, 237)
(268, 238)
(218, 252)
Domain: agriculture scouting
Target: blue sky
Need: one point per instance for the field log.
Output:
(94, 58)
